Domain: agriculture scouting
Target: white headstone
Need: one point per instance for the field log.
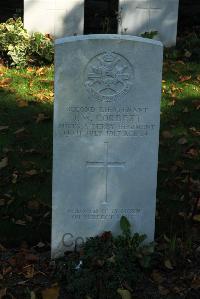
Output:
(139, 16)
(57, 17)
(106, 131)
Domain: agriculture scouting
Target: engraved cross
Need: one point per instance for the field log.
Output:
(106, 164)
(149, 7)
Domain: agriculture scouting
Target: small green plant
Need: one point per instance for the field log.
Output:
(149, 34)
(19, 48)
(106, 265)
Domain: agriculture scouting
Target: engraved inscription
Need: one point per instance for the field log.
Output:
(103, 214)
(121, 121)
(108, 76)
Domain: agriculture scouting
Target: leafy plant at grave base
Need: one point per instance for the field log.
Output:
(108, 264)
(149, 34)
(19, 48)
(41, 48)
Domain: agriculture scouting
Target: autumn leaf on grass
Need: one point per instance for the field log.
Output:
(19, 131)
(184, 78)
(22, 104)
(3, 128)
(182, 141)
(40, 71)
(51, 82)
(41, 117)
(29, 271)
(31, 172)
(5, 82)
(51, 293)
(3, 162)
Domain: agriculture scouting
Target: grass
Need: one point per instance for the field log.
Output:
(26, 109)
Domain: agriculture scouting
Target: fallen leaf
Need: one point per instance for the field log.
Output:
(3, 162)
(182, 141)
(20, 222)
(51, 293)
(14, 178)
(184, 78)
(168, 264)
(167, 135)
(31, 172)
(21, 130)
(41, 117)
(196, 283)
(40, 71)
(22, 104)
(29, 271)
(5, 82)
(125, 294)
(3, 128)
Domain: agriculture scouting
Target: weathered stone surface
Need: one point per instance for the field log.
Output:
(138, 16)
(60, 17)
(106, 129)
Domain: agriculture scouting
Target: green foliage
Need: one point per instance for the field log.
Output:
(108, 264)
(149, 34)
(14, 42)
(41, 48)
(19, 48)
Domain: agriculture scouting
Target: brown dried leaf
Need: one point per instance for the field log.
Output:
(19, 131)
(5, 82)
(29, 271)
(184, 78)
(3, 128)
(182, 141)
(40, 71)
(41, 117)
(31, 172)
(22, 104)
(51, 293)
(3, 162)
(20, 222)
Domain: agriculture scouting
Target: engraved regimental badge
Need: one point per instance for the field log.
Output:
(108, 76)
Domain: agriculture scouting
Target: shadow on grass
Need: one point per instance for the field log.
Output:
(178, 167)
(25, 183)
